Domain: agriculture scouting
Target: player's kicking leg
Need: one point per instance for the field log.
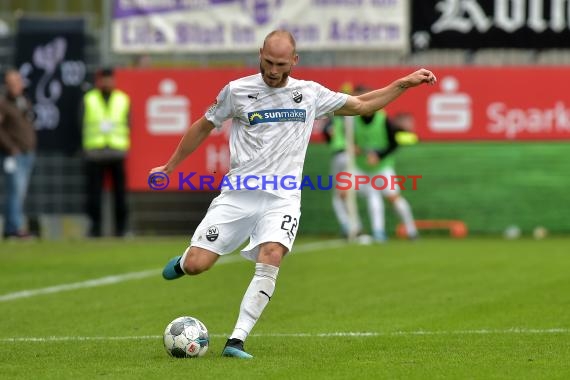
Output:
(195, 260)
(256, 297)
(223, 229)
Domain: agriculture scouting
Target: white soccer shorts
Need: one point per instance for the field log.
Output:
(236, 215)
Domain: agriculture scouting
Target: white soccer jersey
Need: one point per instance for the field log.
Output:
(270, 131)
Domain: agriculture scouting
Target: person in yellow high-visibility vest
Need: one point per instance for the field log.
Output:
(106, 141)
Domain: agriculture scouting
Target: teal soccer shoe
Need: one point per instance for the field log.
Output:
(172, 269)
(234, 349)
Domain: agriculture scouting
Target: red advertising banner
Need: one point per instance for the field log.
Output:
(467, 104)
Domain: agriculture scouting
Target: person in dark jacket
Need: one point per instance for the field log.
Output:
(17, 152)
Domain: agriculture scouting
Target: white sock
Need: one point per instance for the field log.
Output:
(181, 263)
(256, 297)
(376, 211)
(404, 211)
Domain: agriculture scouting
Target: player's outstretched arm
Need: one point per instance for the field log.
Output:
(372, 101)
(190, 141)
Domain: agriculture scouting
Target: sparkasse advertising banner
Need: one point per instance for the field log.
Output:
(240, 25)
(475, 24)
(466, 104)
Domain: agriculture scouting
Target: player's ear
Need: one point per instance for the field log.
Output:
(295, 59)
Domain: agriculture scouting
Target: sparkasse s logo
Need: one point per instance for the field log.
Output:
(449, 110)
(167, 113)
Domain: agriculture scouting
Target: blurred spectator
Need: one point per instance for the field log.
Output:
(142, 61)
(106, 141)
(4, 28)
(17, 151)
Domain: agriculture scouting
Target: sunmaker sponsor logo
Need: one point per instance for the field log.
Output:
(276, 116)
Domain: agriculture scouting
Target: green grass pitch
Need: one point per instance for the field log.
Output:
(431, 309)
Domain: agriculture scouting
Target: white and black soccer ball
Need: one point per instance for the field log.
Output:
(186, 337)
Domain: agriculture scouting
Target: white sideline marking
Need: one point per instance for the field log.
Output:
(79, 285)
(511, 331)
(109, 280)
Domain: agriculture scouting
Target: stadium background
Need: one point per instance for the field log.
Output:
(488, 183)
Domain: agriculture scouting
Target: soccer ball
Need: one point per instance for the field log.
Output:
(186, 337)
(539, 232)
(512, 232)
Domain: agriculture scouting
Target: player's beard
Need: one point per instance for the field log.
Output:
(281, 83)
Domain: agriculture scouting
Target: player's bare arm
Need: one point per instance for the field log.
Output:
(372, 101)
(190, 141)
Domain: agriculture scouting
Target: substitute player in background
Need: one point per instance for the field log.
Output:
(272, 117)
(376, 137)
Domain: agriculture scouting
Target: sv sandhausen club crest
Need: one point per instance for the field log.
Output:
(212, 233)
(297, 96)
